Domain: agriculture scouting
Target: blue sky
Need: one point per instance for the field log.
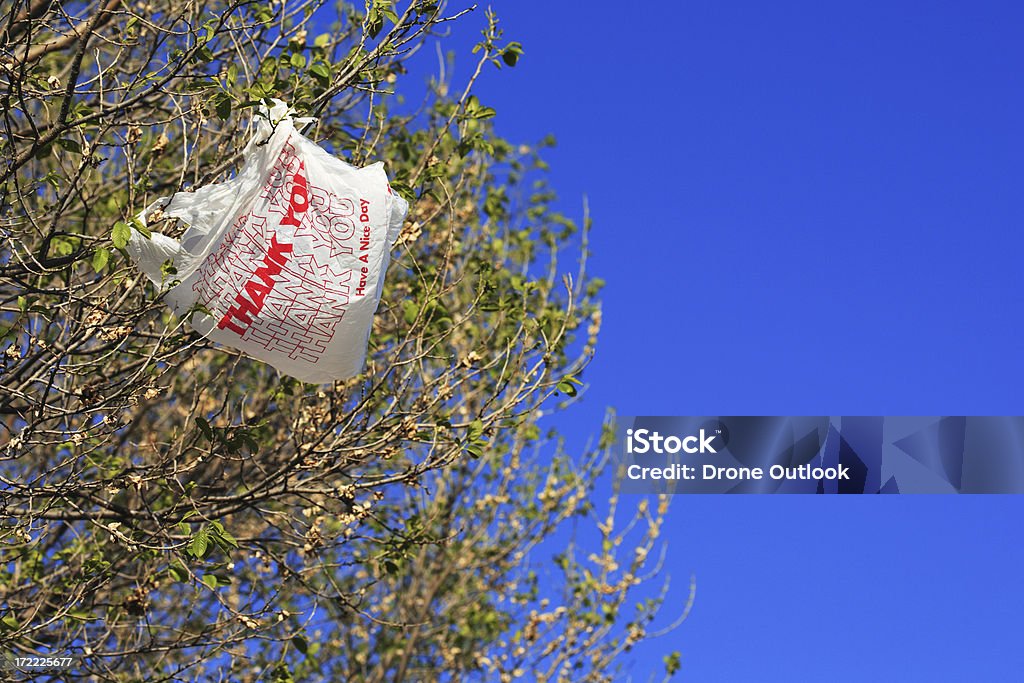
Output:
(801, 208)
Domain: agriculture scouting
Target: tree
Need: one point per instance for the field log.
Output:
(175, 511)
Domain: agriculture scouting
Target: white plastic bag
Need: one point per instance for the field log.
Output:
(288, 257)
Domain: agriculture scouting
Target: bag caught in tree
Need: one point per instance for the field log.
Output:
(286, 260)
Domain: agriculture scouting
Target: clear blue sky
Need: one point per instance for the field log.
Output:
(801, 208)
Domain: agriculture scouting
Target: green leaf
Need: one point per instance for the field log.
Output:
(222, 105)
(100, 259)
(142, 227)
(475, 445)
(204, 427)
(210, 580)
(373, 22)
(247, 439)
(199, 307)
(386, 9)
(410, 309)
(178, 573)
(121, 234)
(69, 145)
(198, 85)
(567, 385)
(321, 71)
(298, 60)
(200, 543)
(512, 53)
(228, 538)
(672, 664)
(404, 191)
(221, 535)
(62, 247)
(10, 622)
(167, 269)
(483, 113)
(300, 644)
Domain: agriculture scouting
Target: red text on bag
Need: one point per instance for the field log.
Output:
(257, 288)
(262, 281)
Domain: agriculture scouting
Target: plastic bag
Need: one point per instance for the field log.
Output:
(286, 260)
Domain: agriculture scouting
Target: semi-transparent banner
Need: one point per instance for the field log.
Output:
(721, 454)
